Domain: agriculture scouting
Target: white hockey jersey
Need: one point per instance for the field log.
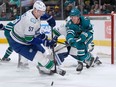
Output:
(27, 24)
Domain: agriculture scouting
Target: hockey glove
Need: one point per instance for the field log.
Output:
(51, 22)
(39, 39)
(1, 26)
(83, 36)
(54, 40)
(42, 36)
(50, 43)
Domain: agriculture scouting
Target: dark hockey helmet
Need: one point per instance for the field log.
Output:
(75, 12)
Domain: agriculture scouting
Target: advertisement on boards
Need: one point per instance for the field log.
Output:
(108, 29)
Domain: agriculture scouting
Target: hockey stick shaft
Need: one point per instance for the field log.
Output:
(53, 51)
(19, 59)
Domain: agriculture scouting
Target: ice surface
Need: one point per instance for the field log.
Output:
(98, 76)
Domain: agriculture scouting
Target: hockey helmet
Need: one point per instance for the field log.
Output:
(75, 12)
(39, 5)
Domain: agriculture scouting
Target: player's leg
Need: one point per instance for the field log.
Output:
(97, 60)
(89, 62)
(7, 54)
(22, 62)
(31, 52)
(9, 49)
(82, 54)
(44, 63)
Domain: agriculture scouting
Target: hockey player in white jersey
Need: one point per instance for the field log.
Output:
(26, 39)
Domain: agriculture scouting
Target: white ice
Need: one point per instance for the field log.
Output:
(98, 76)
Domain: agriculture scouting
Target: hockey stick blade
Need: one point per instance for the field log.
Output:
(60, 72)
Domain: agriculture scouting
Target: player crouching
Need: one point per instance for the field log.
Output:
(79, 36)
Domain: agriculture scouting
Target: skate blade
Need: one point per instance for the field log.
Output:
(78, 72)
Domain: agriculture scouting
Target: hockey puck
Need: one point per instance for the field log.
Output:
(52, 83)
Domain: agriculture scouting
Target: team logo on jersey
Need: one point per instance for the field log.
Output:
(33, 20)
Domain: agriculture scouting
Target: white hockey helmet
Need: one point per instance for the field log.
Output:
(39, 5)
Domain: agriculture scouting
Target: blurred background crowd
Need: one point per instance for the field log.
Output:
(10, 9)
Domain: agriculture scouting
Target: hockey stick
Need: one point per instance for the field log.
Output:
(19, 59)
(56, 60)
(63, 43)
(53, 51)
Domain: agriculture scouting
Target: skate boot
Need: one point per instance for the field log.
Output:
(23, 65)
(5, 59)
(43, 70)
(89, 63)
(97, 61)
(79, 66)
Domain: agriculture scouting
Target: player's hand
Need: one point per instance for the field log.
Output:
(1, 26)
(50, 43)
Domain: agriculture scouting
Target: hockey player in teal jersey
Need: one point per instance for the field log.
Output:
(9, 49)
(79, 36)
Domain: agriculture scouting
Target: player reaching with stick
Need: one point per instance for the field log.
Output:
(80, 35)
(26, 39)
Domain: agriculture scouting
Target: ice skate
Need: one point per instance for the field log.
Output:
(5, 59)
(23, 65)
(97, 61)
(44, 71)
(79, 66)
(89, 63)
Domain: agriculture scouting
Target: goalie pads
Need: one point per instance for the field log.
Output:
(61, 52)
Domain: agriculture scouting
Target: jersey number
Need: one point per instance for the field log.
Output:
(31, 28)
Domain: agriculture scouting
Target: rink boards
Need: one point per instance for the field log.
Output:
(101, 26)
(104, 32)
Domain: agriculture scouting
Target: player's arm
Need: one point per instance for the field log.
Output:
(70, 36)
(40, 39)
(86, 30)
(51, 21)
(86, 24)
